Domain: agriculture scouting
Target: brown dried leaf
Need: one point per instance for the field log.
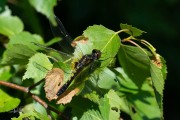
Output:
(53, 81)
(80, 39)
(157, 61)
(66, 97)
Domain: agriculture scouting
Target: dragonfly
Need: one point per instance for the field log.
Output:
(85, 60)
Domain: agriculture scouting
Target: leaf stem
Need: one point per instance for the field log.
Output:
(136, 45)
(151, 48)
(123, 30)
(35, 97)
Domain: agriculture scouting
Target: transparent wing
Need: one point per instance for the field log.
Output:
(58, 55)
(60, 31)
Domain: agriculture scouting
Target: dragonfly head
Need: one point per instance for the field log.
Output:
(96, 54)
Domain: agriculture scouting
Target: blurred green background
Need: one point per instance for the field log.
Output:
(160, 19)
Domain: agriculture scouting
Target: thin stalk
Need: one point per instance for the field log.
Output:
(35, 97)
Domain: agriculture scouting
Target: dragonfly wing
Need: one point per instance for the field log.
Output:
(52, 52)
(60, 31)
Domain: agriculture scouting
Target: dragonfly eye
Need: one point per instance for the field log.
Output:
(96, 53)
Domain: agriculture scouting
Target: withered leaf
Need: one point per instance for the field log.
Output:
(66, 97)
(80, 39)
(53, 81)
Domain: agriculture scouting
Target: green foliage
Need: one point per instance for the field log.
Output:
(10, 25)
(37, 67)
(45, 7)
(91, 115)
(132, 30)
(110, 106)
(135, 62)
(5, 73)
(133, 86)
(7, 103)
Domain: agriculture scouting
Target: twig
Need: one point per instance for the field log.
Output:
(35, 97)
(36, 84)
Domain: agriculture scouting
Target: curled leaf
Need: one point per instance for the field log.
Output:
(53, 81)
(66, 97)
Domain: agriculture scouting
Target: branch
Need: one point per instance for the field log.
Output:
(35, 97)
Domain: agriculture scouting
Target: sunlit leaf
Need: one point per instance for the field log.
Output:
(45, 7)
(8, 103)
(158, 74)
(10, 25)
(33, 111)
(91, 115)
(93, 97)
(38, 67)
(100, 38)
(25, 38)
(40, 111)
(5, 73)
(23, 116)
(110, 106)
(103, 39)
(132, 30)
(20, 48)
(17, 54)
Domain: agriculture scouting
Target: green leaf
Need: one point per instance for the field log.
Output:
(104, 107)
(52, 41)
(32, 115)
(110, 106)
(17, 54)
(40, 111)
(138, 99)
(25, 38)
(45, 7)
(23, 116)
(100, 38)
(20, 48)
(81, 105)
(118, 81)
(157, 78)
(91, 115)
(7, 103)
(93, 97)
(33, 111)
(138, 103)
(158, 71)
(5, 73)
(114, 99)
(135, 63)
(38, 67)
(103, 39)
(158, 74)
(133, 31)
(108, 80)
(10, 25)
